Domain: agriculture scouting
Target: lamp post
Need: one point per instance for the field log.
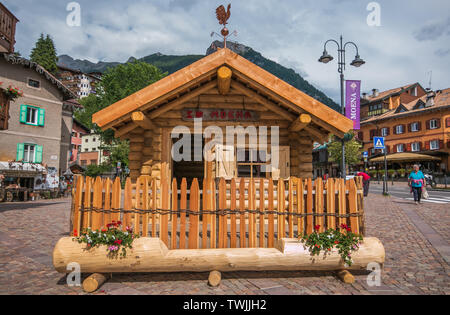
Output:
(357, 62)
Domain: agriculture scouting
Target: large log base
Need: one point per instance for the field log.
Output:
(152, 255)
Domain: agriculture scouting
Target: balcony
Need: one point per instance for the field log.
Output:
(7, 30)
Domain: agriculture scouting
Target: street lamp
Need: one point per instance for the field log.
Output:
(357, 62)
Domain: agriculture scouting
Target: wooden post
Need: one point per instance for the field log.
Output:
(271, 217)
(107, 206)
(222, 218)
(261, 209)
(87, 203)
(174, 215)
(309, 207)
(291, 207)
(154, 205)
(138, 205)
(193, 218)
(242, 224)
(214, 278)
(345, 276)
(342, 203)
(353, 205)
(251, 216)
(300, 207)
(331, 196)
(319, 204)
(224, 80)
(128, 205)
(164, 222)
(116, 199)
(77, 215)
(281, 204)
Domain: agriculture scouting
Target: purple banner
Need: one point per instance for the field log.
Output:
(352, 101)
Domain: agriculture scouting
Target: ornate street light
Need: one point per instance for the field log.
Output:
(357, 62)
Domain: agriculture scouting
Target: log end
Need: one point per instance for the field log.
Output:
(345, 276)
(214, 278)
(93, 282)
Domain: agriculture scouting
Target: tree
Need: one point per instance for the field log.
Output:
(353, 150)
(117, 83)
(44, 53)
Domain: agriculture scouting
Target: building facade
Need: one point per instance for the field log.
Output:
(78, 130)
(38, 124)
(420, 125)
(7, 30)
(81, 84)
(91, 152)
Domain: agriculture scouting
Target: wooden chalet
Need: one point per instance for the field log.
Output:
(224, 89)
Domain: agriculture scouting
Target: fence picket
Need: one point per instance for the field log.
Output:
(138, 204)
(309, 206)
(164, 219)
(319, 204)
(116, 200)
(341, 199)
(154, 205)
(206, 206)
(145, 205)
(261, 216)
(233, 215)
(174, 219)
(107, 206)
(194, 218)
(222, 218)
(87, 203)
(281, 208)
(331, 196)
(251, 216)
(271, 217)
(183, 206)
(77, 216)
(291, 207)
(353, 206)
(300, 207)
(242, 224)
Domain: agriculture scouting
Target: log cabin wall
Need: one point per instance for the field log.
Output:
(150, 150)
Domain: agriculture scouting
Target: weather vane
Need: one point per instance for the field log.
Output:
(223, 17)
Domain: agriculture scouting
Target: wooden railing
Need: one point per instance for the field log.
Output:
(224, 213)
(7, 30)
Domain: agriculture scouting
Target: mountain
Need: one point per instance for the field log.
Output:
(171, 63)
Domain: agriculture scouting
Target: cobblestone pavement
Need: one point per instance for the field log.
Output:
(416, 239)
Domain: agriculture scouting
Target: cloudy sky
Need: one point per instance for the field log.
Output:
(412, 40)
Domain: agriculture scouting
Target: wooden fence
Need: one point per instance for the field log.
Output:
(221, 214)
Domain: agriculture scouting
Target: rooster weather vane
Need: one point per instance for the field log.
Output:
(222, 17)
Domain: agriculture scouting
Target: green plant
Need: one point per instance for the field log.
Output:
(402, 172)
(345, 242)
(116, 240)
(391, 173)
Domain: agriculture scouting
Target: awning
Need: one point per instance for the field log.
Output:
(405, 157)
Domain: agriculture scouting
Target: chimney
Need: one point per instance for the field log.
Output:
(430, 98)
(375, 92)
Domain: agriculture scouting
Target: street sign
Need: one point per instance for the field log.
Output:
(378, 143)
(365, 154)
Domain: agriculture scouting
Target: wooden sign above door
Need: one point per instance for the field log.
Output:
(188, 114)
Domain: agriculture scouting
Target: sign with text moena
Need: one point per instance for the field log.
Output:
(208, 114)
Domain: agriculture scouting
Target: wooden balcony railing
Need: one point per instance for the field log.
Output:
(7, 30)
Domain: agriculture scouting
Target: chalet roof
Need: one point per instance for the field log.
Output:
(385, 94)
(190, 81)
(39, 69)
(441, 100)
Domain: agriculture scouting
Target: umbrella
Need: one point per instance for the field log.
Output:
(406, 157)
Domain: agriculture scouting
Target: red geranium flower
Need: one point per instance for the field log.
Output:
(316, 227)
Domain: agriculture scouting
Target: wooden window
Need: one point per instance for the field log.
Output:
(400, 147)
(399, 129)
(384, 132)
(225, 161)
(414, 127)
(283, 170)
(252, 163)
(434, 123)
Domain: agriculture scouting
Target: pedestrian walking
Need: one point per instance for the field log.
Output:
(416, 181)
(366, 182)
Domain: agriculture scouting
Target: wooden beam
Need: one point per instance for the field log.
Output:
(317, 135)
(301, 122)
(142, 121)
(119, 133)
(328, 127)
(261, 99)
(224, 80)
(194, 93)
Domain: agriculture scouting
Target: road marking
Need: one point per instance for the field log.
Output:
(440, 201)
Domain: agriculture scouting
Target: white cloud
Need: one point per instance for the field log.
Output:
(291, 32)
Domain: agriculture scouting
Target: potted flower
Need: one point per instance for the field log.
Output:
(12, 92)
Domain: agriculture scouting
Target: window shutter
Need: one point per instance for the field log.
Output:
(448, 144)
(41, 117)
(427, 145)
(419, 125)
(447, 122)
(388, 149)
(428, 124)
(23, 113)
(404, 128)
(409, 127)
(388, 131)
(441, 144)
(38, 154)
(408, 147)
(394, 148)
(420, 146)
(438, 123)
(396, 130)
(20, 152)
(283, 170)
(225, 161)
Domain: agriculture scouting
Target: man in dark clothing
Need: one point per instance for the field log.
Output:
(366, 182)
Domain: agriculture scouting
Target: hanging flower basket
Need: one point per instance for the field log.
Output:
(11, 92)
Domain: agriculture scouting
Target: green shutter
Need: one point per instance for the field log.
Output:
(20, 151)
(23, 114)
(41, 117)
(38, 157)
